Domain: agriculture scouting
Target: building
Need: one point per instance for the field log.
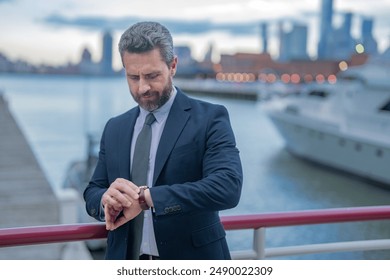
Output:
(106, 61)
(258, 64)
(264, 36)
(86, 65)
(342, 45)
(245, 63)
(188, 67)
(338, 43)
(323, 49)
(293, 43)
(367, 39)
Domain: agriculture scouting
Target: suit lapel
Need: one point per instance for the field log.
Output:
(176, 121)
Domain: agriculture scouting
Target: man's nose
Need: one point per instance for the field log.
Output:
(144, 86)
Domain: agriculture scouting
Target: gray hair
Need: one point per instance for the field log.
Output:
(146, 36)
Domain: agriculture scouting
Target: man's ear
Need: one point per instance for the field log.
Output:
(174, 66)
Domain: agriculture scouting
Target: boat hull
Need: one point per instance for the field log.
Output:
(328, 146)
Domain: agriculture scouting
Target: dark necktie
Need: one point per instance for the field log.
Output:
(139, 173)
(141, 153)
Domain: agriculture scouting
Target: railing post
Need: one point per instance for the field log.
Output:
(259, 243)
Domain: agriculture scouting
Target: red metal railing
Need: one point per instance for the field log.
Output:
(306, 217)
(80, 232)
(51, 234)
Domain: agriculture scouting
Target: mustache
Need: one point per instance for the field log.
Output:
(148, 93)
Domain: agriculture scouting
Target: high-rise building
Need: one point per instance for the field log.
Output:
(293, 44)
(368, 41)
(264, 36)
(323, 51)
(106, 61)
(342, 45)
(208, 57)
(86, 65)
(282, 42)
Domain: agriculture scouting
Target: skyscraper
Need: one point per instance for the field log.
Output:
(264, 36)
(106, 61)
(342, 44)
(293, 44)
(325, 29)
(368, 41)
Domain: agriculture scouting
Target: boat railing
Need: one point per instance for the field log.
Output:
(258, 223)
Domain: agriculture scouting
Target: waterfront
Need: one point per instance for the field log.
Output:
(56, 112)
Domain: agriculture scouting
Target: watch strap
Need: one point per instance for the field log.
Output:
(141, 198)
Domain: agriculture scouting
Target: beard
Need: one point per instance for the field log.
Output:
(161, 98)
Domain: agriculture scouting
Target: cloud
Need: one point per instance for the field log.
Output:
(175, 26)
(94, 23)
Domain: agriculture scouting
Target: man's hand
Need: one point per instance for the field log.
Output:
(121, 196)
(129, 213)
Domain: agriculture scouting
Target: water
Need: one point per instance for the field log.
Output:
(56, 112)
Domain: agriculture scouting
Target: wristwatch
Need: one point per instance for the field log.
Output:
(141, 198)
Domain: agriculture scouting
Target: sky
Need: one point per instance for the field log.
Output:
(56, 31)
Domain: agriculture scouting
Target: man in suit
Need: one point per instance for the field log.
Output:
(193, 170)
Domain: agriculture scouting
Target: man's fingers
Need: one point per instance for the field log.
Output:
(109, 221)
(119, 222)
(111, 215)
(129, 213)
(122, 192)
(119, 197)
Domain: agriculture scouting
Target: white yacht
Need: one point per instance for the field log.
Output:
(345, 125)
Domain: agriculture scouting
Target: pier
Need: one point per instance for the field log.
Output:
(26, 197)
(212, 87)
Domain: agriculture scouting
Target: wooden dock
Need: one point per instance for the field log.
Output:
(26, 197)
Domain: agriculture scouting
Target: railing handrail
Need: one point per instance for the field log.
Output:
(46, 234)
(78, 232)
(306, 217)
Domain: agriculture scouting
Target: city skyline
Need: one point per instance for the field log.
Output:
(58, 34)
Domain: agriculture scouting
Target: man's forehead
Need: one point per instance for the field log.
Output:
(144, 62)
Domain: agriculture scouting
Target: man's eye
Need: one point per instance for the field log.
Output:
(152, 76)
(134, 78)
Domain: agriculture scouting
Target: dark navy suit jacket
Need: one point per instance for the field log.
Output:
(197, 173)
